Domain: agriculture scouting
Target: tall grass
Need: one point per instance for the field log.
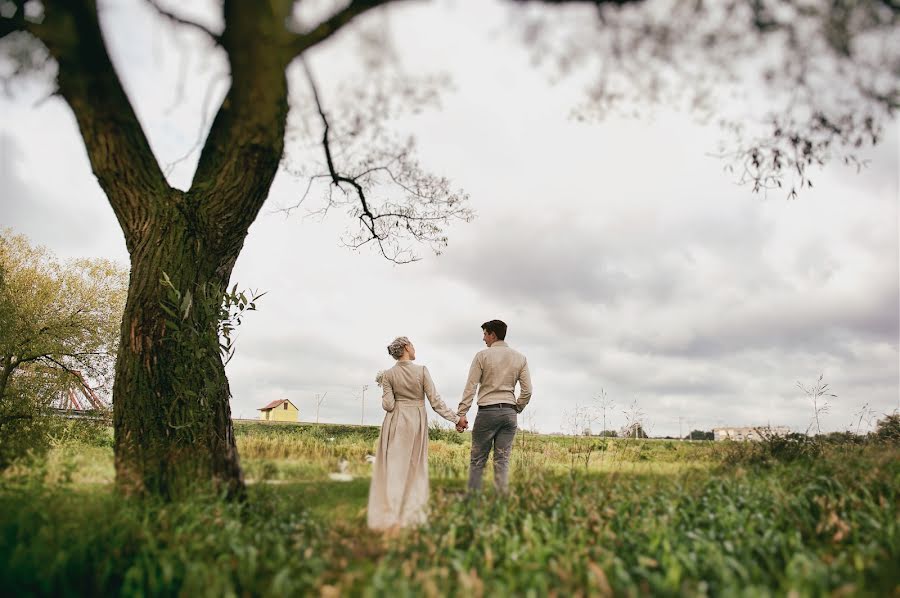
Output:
(618, 517)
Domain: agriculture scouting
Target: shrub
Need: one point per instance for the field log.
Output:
(888, 429)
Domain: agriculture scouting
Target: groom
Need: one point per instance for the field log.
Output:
(494, 374)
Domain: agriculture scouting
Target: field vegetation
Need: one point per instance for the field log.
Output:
(586, 516)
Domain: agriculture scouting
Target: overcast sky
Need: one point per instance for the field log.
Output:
(621, 254)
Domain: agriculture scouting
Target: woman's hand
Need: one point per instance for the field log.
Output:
(462, 424)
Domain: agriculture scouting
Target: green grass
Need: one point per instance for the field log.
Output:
(585, 517)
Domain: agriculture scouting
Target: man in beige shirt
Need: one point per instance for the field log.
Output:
(494, 374)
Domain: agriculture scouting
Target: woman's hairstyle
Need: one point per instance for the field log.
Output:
(395, 349)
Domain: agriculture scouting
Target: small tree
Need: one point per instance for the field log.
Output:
(59, 326)
(888, 428)
(701, 435)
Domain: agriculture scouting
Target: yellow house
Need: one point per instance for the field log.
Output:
(281, 410)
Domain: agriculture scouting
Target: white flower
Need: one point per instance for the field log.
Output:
(379, 377)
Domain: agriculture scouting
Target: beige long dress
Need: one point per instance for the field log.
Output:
(399, 491)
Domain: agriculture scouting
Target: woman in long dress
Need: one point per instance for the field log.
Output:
(398, 496)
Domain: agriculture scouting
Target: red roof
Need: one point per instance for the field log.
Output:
(275, 404)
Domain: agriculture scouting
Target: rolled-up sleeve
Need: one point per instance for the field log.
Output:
(387, 393)
(524, 387)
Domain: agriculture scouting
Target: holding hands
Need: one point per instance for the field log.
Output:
(463, 424)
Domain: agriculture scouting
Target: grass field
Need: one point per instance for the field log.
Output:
(586, 516)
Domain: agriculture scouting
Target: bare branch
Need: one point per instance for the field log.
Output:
(821, 73)
(216, 38)
(367, 218)
(117, 146)
(428, 207)
(334, 23)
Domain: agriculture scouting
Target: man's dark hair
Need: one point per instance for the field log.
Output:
(498, 327)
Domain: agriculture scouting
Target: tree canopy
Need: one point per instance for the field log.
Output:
(59, 327)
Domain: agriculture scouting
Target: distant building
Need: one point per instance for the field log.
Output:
(749, 432)
(281, 410)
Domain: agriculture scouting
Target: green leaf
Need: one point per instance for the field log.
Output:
(186, 305)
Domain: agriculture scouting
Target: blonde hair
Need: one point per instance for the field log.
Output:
(395, 349)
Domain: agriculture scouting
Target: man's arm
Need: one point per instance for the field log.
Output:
(524, 388)
(471, 386)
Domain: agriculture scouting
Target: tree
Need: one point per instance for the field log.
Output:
(173, 423)
(701, 435)
(59, 325)
(887, 429)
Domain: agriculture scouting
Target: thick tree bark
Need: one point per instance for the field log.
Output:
(171, 409)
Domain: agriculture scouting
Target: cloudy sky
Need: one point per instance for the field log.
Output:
(621, 253)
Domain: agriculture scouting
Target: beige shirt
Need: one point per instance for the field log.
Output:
(407, 381)
(494, 374)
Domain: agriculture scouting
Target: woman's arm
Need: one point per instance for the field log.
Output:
(435, 399)
(387, 393)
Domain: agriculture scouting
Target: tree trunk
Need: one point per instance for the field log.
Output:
(170, 397)
(5, 373)
(171, 409)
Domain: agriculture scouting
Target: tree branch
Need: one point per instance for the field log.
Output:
(425, 206)
(334, 23)
(117, 147)
(366, 217)
(185, 22)
(242, 152)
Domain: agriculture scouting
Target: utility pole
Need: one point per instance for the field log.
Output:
(319, 404)
(362, 416)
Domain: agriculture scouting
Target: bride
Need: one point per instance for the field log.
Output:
(398, 496)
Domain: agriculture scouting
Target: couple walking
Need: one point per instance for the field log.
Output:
(398, 496)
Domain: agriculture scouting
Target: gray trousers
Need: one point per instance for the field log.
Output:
(494, 428)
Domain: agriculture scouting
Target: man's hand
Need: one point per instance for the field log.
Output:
(462, 424)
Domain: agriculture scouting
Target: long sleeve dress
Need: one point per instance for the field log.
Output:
(399, 491)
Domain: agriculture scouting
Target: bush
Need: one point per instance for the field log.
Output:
(25, 428)
(888, 429)
(91, 432)
(772, 449)
(448, 435)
